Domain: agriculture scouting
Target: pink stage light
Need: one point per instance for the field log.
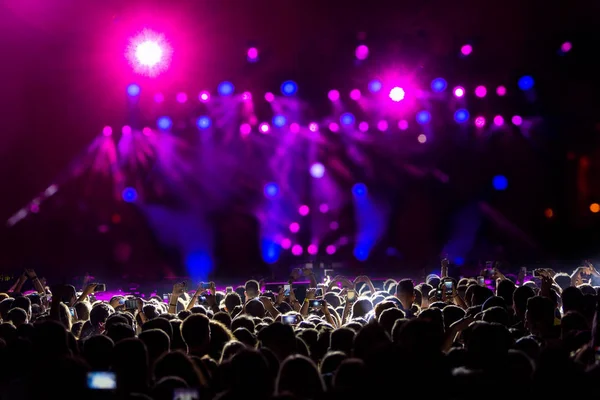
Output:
(362, 52)
(334, 127)
(459, 91)
(480, 122)
(149, 53)
(107, 131)
(333, 95)
(498, 120)
(286, 243)
(397, 94)
(324, 208)
(126, 130)
(403, 124)
(355, 94)
(382, 125)
(517, 120)
(204, 96)
(313, 127)
(246, 96)
(422, 138)
(159, 97)
(480, 91)
(297, 250)
(312, 249)
(566, 47)
(245, 129)
(294, 127)
(466, 49)
(252, 54)
(147, 131)
(363, 126)
(264, 128)
(304, 210)
(501, 91)
(294, 227)
(181, 97)
(330, 249)
(269, 97)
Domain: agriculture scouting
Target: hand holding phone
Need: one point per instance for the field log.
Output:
(131, 304)
(288, 319)
(286, 290)
(229, 289)
(100, 287)
(316, 303)
(351, 295)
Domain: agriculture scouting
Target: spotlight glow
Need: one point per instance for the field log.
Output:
(164, 123)
(312, 249)
(126, 130)
(226, 88)
(375, 86)
(363, 126)
(333, 127)
(313, 127)
(480, 91)
(149, 53)
(480, 122)
(324, 208)
(500, 182)
(133, 90)
(129, 194)
(289, 88)
(317, 170)
(279, 121)
(252, 54)
(271, 189)
(461, 115)
(498, 120)
(355, 94)
(439, 85)
(423, 117)
(107, 131)
(286, 243)
(526, 83)
(422, 138)
(181, 98)
(382, 125)
(517, 120)
(269, 97)
(203, 122)
(566, 47)
(403, 124)
(397, 94)
(361, 52)
(204, 96)
(466, 49)
(294, 127)
(264, 128)
(501, 91)
(303, 210)
(333, 95)
(245, 129)
(294, 227)
(330, 249)
(347, 119)
(297, 250)
(459, 91)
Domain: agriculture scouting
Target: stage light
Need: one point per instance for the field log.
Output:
(246, 96)
(264, 128)
(459, 91)
(501, 91)
(204, 96)
(286, 243)
(294, 227)
(252, 54)
(225, 88)
(361, 52)
(334, 226)
(363, 126)
(594, 207)
(126, 130)
(459, 261)
(129, 194)
(466, 49)
(480, 91)
(375, 86)
(422, 138)
(566, 47)
(313, 127)
(107, 131)
(382, 125)
(549, 213)
(294, 127)
(164, 123)
(269, 97)
(181, 97)
(500, 182)
(203, 122)
(303, 210)
(149, 53)
(330, 249)
(279, 121)
(355, 94)
(517, 120)
(439, 85)
(461, 115)
(159, 97)
(526, 83)
(397, 94)
(317, 170)
(245, 129)
(403, 124)
(133, 90)
(347, 119)
(359, 189)
(361, 253)
(289, 88)
(333, 127)
(324, 208)
(312, 249)
(271, 189)
(333, 95)
(423, 117)
(498, 120)
(480, 122)
(297, 250)
(147, 131)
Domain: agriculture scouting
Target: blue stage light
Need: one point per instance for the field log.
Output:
(129, 194)
(423, 117)
(359, 189)
(133, 90)
(164, 123)
(203, 123)
(526, 82)
(226, 88)
(279, 120)
(461, 115)
(361, 253)
(289, 88)
(375, 86)
(439, 85)
(500, 182)
(271, 189)
(347, 119)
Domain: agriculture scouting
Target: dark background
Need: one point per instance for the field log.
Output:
(63, 74)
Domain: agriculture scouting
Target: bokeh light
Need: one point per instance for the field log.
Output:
(498, 120)
(501, 91)
(439, 85)
(129, 194)
(279, 121)
(333, 95)
(359, 189)
(246, 96)
(226, 88)
(317, 170)
(294, 227)
(286, 243)
(548, 213)
(133, 90)
(466, 49)
(164, 123)
(423, 117)
(252, 54)
(459, 91)
(204, 96)
(264, 128)
(271, 189)
(480, 121)
(594, 207)
(330, 249)
(361, 254)
(382, 125)
(526, 83)
(294, 127)
(566, 47)
(126, 130)
(149, 53)
(461, 116)
(159, 97)
(333, 127)
(313, 127)
(107, 131)
(363, 126)
(303, 210)
(269, 97)
(347, 119)
(245, 129)
(203, 122)
(480, 91)
(397, 94)
(422, 138)
(181, 97)
(517, 120)
(355, 94)
(500, 182)
(324, 208)
(312, 249)
(297, 250)
(361, 52)
(403, 124)
(375, 86)
(289, 88)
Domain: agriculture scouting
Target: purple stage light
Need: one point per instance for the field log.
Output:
(303, 210)
(382, 125)
(330, 249)
(501, 91)
(334, 226)
(147, 131)
(324, 208)
(480, 122)
(355, 94)
(422, 138)
(459, 91)
(264, 128)
(312, 249)
(333, 127)
(566, 47)
(363, 126)
(517, 120)
(313, 127)
(403, 124)
(297, 250)
(286, 243)
(245, 129)
(252, 54)
(333, 95)
(181, 97)
(204, 96)
(246, 96)
(294, 227)
(294, 127)
(159, 97)
(498, 120)
(107, 131)
(317, 170)
(397, 94)
(466, 49)
(361, 52)
(269, 97)
(149, 53)
(480, 91)
(126, 130)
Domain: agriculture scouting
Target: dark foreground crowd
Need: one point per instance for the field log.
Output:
(486, 337)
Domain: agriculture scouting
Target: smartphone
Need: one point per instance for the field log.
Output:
(166, 297)
(316, 303)
(100, 287)
(286, 290)
(205, 285)
(448, 287)
(101, 380)
(130, 304)
(308, 266)
(229, 289)
(72, 311)
(351, 295)
(288, 319)
(438, 293)
(481, 281)
(186, 394)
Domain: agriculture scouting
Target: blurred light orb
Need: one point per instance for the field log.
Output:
(333, 95)
(225, 88)
(466, 49)
(355, 94)
(294, 227)
(107, 131)
(245, 129)
(317, 170)
(375, 86)
(498, 120)
(423, 117)
(181, 97)
(264, 128)
(271, 189)
(480, 91)
(333, 127)
(289, 88)
(203, 122)
(324, 208)
(439, 85)
(566, 47)
(461, 115)
(164, 123)
(312, 249)
(359, 189)
(204, 96)
(147, 131)
(526, 83)
(382, 125)
(500, 182)
(397, 94)
(294, 127)
(422, 138)
(126, 130)
(347, 119)
(334, 225)
(286, 243)
(501, 91)
(363, 126)
(459, 91)
(149, 53)
(361, 52)
(297, 250)
(303, 210)
(246, 96)
(517, 120)
(403, 124)
(313, 127)
(594, 207)
(279, 121)
(330, 249)
(269, 97)
(129, 194)
(133, 90)
(159, 97)
(361, 253)
(252, 54)
(480, 122)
